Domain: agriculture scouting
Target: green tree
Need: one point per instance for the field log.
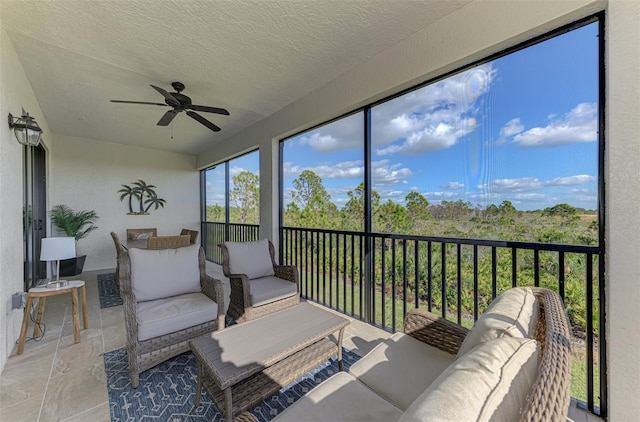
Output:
(392, 218)
(313, 203)
(417, 208)
(309, 192)
(564, 212)
(215, 213)
(245, 195)
(353, 210)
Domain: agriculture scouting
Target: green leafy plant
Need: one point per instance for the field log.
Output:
(76, 224)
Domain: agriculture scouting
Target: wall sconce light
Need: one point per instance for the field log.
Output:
(26, 129)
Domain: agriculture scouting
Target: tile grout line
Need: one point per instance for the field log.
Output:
(53, 362)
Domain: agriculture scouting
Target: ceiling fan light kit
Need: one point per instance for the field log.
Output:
(180, 102)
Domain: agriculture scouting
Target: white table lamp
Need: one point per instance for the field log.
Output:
(57, 248)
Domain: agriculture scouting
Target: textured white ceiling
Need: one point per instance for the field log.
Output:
(250, 57)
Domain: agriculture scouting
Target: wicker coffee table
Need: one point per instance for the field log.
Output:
(244, 364)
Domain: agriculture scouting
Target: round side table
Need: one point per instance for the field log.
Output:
(42, 292)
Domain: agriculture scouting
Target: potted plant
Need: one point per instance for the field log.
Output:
(76, 224)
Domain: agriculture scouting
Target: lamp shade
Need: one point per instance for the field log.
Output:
(56, 248)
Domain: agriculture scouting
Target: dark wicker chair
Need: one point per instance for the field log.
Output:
(119, 249)
(240, 306)
(193, 233)
(148, 353)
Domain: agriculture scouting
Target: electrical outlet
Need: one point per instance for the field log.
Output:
(18, 300)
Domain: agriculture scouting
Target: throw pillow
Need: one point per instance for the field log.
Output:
(160, 273)
(514, 313)
(491, 383)
(250, 258)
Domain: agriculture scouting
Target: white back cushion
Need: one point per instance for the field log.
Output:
(161, 273)
(513, 314)
(489, 384)
(250, 258)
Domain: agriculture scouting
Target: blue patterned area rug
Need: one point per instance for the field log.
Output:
(108, 291)
(166, 392)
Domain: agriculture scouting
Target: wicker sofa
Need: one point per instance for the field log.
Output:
(168, 299)
(514, 365)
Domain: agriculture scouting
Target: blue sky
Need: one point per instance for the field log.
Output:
(521, 128)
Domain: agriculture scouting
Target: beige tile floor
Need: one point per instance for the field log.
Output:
(57, 380)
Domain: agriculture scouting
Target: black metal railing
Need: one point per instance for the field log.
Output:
(377, 278)
(215, 233)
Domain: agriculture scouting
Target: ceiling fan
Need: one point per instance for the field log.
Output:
(180, 102)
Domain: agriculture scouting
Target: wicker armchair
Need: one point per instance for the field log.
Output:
(167, 242)
(193, 233)
(199, 309)
(134, 234)
(253, 296)
(119, 249)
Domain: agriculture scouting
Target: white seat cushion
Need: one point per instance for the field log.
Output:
(340, 398)
(269, 289)
(160, 273)
(250, 258)
(514, 313)
(400, 368)
(164, 316)
(489, 383)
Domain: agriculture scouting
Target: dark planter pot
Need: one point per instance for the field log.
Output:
(72, 266)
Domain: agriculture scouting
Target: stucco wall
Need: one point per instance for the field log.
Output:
(86, 174)
(474, 32)
(623, 208)
(15, 93)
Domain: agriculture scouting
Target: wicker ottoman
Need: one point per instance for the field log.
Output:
(244, 364)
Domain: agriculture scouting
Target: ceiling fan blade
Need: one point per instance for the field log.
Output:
(208, 109)
(199, 118)
(171, 100)
(167, 118)
(137, 102)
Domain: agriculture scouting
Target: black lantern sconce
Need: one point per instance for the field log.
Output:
(26, 129)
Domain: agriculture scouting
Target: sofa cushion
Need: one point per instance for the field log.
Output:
(160, 273)
(164, 316)
(250, 258)
(269, 289)
(490, 383)
(514, 313)
(400, 368)
(340, 398)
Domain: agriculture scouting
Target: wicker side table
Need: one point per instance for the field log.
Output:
(41, 293)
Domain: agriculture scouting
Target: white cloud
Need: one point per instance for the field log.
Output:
(453, 186)
(389, 174)
(570, 180)
(343, 134)
(513, 127)
(522, 184)
(432, 118)
(235, 170)
(577, 126)
(384, 173)
(532, 197)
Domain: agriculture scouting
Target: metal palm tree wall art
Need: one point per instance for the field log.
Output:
(144, 194)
